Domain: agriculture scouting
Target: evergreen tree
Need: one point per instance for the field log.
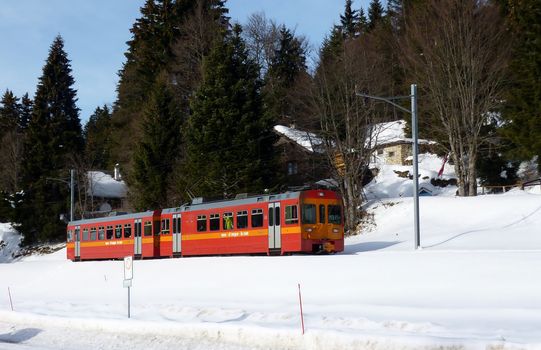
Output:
(156, 33)
(349, 21)
(52, 138)
(375, 14)
(363, 22)
(523, 102)
(157, 150)
(97, 138)
(9, 112)
(229, 139)
(288, 62)
(25, 112)
(332, 45)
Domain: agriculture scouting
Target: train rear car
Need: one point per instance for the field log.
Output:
(113, 237)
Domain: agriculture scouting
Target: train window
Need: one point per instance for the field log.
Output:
(321, 213)
(109, 232)
(118, 231)
(85, 234)
(201, 223)
(292, 216)
(101, 233)
(127, 230)
(271, 217)
(308, 213)
(228, 221)
(137, 229)
(257, 217)
(335, 214)
(148, 228)
(176, 225)
(165, 226)
(214, 222)
(70, 236)
(242, 219)
(93, 234)
(276, 216)
(156, 227)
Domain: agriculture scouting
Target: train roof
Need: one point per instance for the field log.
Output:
(233, 202)
(112, 218)
(198, 206)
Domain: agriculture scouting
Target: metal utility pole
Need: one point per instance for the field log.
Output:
(415, 146)
(415, 135)
(72, 192)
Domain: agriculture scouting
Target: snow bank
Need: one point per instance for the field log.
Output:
(388, 183)
(9, 242)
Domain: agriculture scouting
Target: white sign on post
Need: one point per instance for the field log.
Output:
(128, 268)
(128, 276)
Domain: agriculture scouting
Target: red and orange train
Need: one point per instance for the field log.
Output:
(308, 221)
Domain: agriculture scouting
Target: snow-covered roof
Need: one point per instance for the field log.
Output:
(305, 139)
(392, 132)
(103, 185)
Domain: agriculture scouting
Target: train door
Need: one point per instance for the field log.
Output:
(177, 240)
(137, 240)
(77, 242)
(275, 240)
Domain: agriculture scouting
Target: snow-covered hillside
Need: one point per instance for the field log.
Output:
(475, 284)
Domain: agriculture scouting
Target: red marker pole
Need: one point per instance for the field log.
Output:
(300, 303)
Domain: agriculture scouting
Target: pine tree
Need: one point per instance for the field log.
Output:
(229, 139)
(9, 112)
(523, 102)
(52, 138)
(363, 22)
(97, 134)
(25, 112)
(152, 50)
(157, 150)
(375, 14)
(349, 21)
(332, 45)
(287, 64)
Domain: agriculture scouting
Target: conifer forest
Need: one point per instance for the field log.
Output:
(199, 95)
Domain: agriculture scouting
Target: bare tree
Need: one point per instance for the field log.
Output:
(262, 36)
(11, 150)
(347, 121)
(456, 50)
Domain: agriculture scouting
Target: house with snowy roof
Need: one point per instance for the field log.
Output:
(301, 155)
(391, 146)
(106, 192)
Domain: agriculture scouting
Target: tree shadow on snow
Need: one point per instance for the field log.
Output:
(367, 246)
(19, 336)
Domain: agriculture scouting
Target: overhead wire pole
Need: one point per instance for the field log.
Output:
(414, 132)
(72, 192)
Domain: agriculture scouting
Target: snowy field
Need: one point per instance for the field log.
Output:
(475, 284)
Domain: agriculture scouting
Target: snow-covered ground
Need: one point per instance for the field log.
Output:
(475, 284)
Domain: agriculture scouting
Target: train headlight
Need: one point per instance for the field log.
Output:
(309, 229)
(335, 230)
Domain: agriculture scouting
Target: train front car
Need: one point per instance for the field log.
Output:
(322, 222)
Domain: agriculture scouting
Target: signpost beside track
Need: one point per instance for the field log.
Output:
(128, 276)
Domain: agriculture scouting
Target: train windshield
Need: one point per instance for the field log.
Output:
(335, 214)
(308, 214)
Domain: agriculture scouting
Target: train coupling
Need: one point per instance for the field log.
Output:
(329, 247)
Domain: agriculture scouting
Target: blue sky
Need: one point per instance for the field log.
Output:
(95, 34)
